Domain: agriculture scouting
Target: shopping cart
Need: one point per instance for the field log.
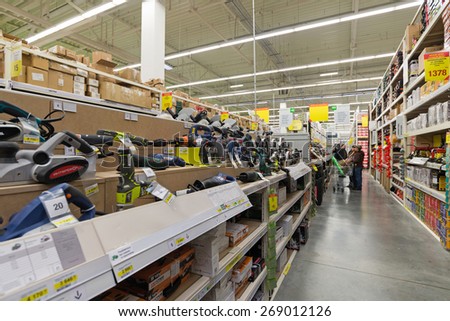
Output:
(340, 172)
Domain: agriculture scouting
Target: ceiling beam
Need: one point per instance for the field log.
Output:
(353, 34)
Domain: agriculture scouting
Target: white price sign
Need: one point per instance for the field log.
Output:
(56, 207)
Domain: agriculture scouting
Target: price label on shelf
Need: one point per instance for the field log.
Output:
(437, 66)
(224, 115)
(273, 202)
(36, 295)
(166, 100)
(16, 57)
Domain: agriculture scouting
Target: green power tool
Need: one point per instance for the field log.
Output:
(129, 188)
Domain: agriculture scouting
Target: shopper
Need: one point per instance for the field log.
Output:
(356, 159)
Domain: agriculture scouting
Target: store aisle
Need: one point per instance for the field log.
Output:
(364, 246)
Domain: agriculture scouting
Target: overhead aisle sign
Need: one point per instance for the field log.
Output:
(342, 115)
(318, 112)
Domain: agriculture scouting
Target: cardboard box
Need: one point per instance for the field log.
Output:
(242, 270)
(286, 223)
(218, 231)
(92, 74)
(82, 72)
(91, 89)
(93, 82)
(115, 294)
(93, 95)
(80, 58)
(206, 266)
(70, 54)
(236, 232)
(424, 51)
(103, 68)
(103, 58)
(79, 86)
(37, 77)
(412, 34)
(110, 91)
(79, 79)
(60, 81)
(79, 92)
(35, 61)
(58, 50)
(206, 246)
(62, 68)
(155, 273)
(130, 74)
(86, 61)
(22, 77)
(220, 294)
(183, 258)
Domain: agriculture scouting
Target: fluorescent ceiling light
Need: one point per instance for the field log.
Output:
(72, 21)
(367, 89)
(267, 72)
(237, 86)
(292, 87)
(329, 74)
(166, 67)
(298, 28)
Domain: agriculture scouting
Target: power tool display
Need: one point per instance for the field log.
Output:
(33, 217)
(23, 123)
(213, 181)
(41, 165)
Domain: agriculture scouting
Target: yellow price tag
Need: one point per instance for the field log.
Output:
(224, 115)
(66, 282)
(179, 241)
(125, 271)
(31, 139)
(16, 63)
(36, 295)
(69, 219)
(314, 168)
(254, 126)
(91, 190)
(233, 262)
(166, 101)
(436, 66)
(287, 268)
(364, 121)
(447, 138)
(273, 202)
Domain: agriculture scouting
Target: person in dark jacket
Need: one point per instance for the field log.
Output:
(356, 160)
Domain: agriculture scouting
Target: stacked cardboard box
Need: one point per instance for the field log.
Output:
(236, 233)
(223, 291)
(102, 61)
(241, 274)
(207, 251)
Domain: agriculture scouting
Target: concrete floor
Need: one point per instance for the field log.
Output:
(365, 246)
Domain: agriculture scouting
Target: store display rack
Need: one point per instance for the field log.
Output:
(392, 117)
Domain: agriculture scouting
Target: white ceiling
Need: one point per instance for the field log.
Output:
(194, 23)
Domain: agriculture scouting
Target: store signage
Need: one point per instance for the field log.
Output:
(437, 66)
(263, 113)
(16, 63)
(292, 110)
(318, 112)
(365, 121)
(224, 115)
(166, 100)
(286, 117)
(342, 114)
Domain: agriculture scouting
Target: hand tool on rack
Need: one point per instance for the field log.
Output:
(33, 217)
(41, 164)
(24, 123)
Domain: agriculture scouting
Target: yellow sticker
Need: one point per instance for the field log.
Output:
(436, 66)
(66, 282)
(166, 100)
(125, 271)
(91, 190)
(31, 139)
(36, 295)
(287, 268)
(314, 168)
(179, 241)
(224, 115)
(273, 202)
(69, 219)
(447, 138)
(233, 262)
(16, 60)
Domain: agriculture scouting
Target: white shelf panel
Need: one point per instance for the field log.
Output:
(291, 200)
(415, 83)
(398, 186)
(429, 130)
(436, 194)
(199, 289)
(253, 287)
(254, 187)
(283, 274)
(396, 198)
(94, 264)
(139, 236)
(82, 99)
(440, 94)
(284, 241)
